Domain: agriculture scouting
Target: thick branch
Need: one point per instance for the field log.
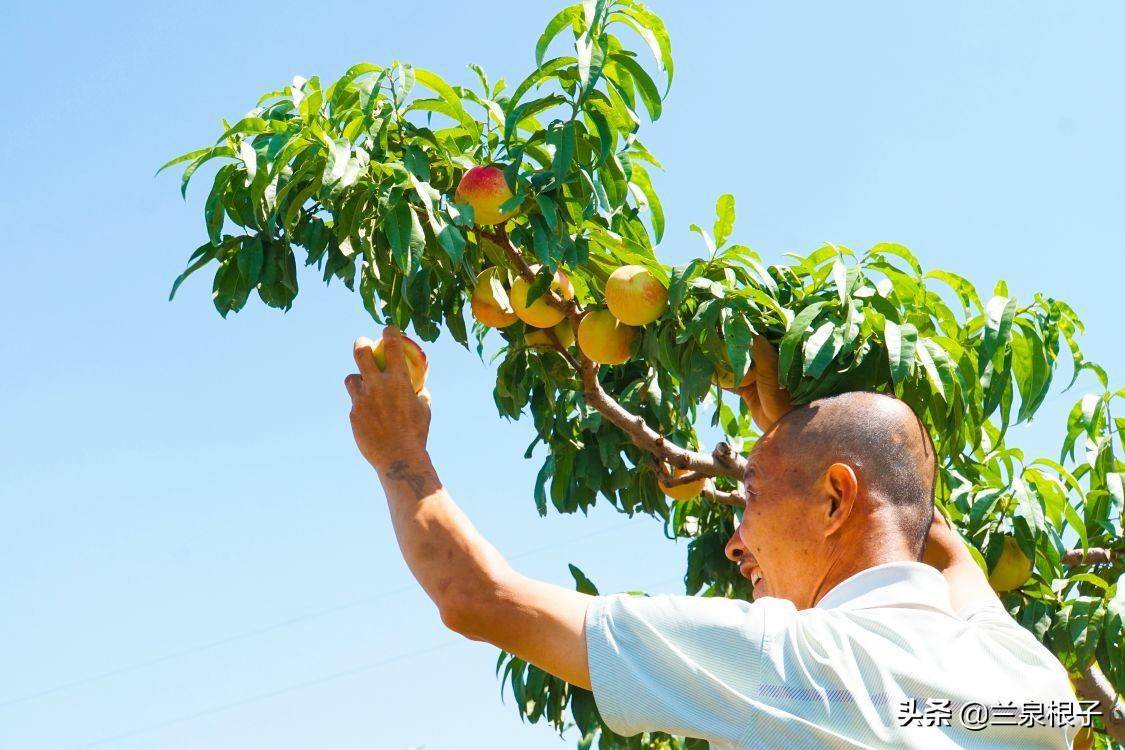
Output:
(1093, 686)
(723, 461)
(1092, 556)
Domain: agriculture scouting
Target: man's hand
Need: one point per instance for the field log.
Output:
(767, 399)
(389, 421)
(946, 551)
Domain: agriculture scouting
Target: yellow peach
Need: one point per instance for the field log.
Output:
(683, 491)
(489, 305)
(635, 296)
(537, 338)
(1012, 569)
(604, 339)
(485, 189)
(416, 363)
(540, 313)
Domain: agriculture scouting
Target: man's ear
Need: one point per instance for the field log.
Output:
(840, 487)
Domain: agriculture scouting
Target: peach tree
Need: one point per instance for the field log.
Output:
(529, 210)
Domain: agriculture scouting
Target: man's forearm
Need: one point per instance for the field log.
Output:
(476, 591)
(451, 560)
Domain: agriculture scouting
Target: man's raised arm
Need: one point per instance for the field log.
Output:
(477, 593)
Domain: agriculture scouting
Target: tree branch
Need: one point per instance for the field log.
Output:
(1092, 556)
(720, 496)
(723, 461)
(1093, 686)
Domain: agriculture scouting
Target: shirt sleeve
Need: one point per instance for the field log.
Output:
(679, 664)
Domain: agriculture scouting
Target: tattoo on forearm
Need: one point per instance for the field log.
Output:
(400, 472)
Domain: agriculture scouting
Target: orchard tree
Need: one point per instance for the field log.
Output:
(532, 205)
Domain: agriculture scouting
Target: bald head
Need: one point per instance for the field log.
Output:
(882, 440)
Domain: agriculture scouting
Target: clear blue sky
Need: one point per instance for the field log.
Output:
(181, 492)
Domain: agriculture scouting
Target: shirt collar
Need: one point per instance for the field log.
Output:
(894, 584)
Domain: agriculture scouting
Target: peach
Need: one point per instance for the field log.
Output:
(604, 339)
(724, 378)
(635, 296)
(683, 491)
(540, 313)
(416, 363)
(485, 189)
(1012, 569)
(489, 305)
(537, 338)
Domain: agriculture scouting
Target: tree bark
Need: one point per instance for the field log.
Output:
(1093, 686)
(1092, 556)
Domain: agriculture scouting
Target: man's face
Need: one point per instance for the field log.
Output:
(778, 542)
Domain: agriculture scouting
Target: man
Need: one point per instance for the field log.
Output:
(851, 641)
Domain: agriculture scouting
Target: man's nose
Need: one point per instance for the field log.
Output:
(735, 550)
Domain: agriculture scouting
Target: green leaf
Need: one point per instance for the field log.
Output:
(924, 357)
(739, 337)
(656, 211)
(569, 16)
(890, 248)
(250, 259)
(203, 255)
(901, 342)
(398, 226)
(793, 335)
(998, 327)
(213, 210)
(434, 82)
(724, 219)
(650, 94)
(652, 30)
(189, 156)
(819, 350)
(581, 582)
(545, 70)
(840, 278)
(562, 138)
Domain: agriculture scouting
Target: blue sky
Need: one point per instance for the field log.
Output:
(194, 554)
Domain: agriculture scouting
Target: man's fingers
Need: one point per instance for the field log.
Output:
(364, 352)
(354, 384)
(750, 396)
(765, 361)
(774, 398)
(394, 347)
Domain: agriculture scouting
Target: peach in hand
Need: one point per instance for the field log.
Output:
(416, 363)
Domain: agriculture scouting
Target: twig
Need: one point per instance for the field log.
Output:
(672, 480)
(720, 496)
(1093, 686)
(1092, 556)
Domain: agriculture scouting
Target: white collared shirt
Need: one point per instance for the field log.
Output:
(881, 661)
